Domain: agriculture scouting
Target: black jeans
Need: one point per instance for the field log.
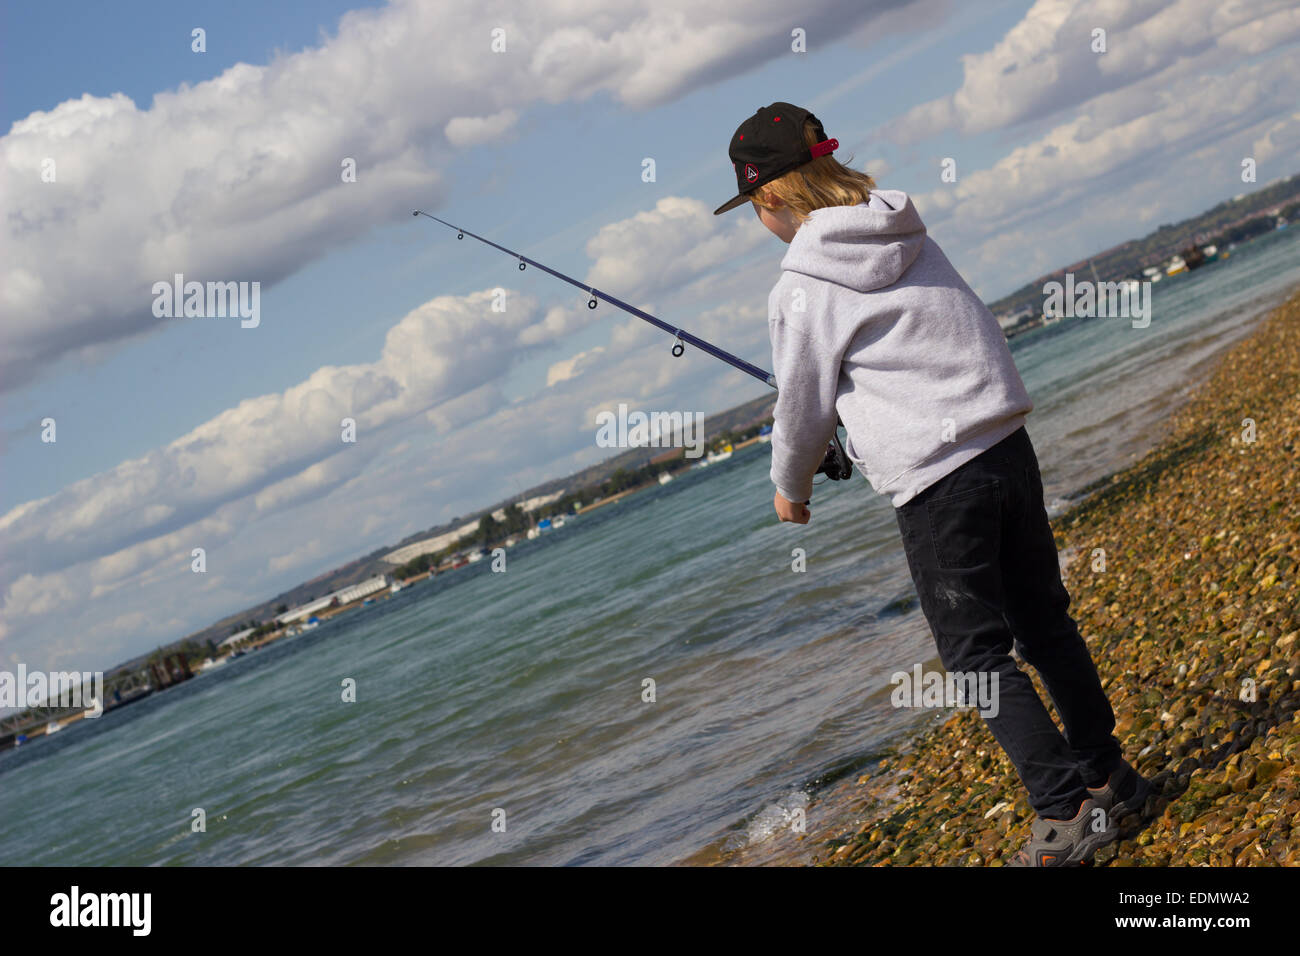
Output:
(982, 557)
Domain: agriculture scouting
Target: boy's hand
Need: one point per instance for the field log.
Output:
(787, 510)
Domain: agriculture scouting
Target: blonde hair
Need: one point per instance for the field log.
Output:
(823, 182)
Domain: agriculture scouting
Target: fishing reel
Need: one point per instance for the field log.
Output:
(836, 466)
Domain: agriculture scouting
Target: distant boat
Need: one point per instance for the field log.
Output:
(1193, 257)
(1176, 265)
(558, 522)
(53, 727)
(765, 433)
(717, 456)
(1281, 223)
(1210, 252)
(544, 524)
(665, 478)
(210, 663)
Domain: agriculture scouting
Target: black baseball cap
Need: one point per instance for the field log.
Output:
(768, 145)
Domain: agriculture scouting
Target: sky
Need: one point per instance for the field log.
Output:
(130, 156)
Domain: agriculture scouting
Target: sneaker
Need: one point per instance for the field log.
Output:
(1067, 842)
(1127, 813)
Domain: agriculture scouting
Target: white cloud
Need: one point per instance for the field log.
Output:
(1046, 64)
(275, 450)
(1169, 144)
(878, 168)
(668, 246)
(238, 178)
(466, 131)
(296, 557)
(566, 369)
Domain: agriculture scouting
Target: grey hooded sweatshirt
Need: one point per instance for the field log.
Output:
(870, 321)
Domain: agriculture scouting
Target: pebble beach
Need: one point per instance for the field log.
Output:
(1192, 615)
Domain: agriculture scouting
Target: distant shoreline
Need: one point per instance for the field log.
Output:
(651, 484)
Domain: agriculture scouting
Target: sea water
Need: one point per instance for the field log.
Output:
(649, 681)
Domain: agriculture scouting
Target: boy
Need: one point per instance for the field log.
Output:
(872, 326)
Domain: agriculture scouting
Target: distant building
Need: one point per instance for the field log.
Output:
(298, 613)
(1014, 319)
(346, 595)
(236, 638)
(532, 504)
(412, 551)
(358, 591)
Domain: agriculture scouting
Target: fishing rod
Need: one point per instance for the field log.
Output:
(681, 335)
(836, 464)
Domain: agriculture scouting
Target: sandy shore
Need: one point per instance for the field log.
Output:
(1199, 598)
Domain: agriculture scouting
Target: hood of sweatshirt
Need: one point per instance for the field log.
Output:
(864, 247)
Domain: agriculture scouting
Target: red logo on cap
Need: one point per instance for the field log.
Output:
(750, 172)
